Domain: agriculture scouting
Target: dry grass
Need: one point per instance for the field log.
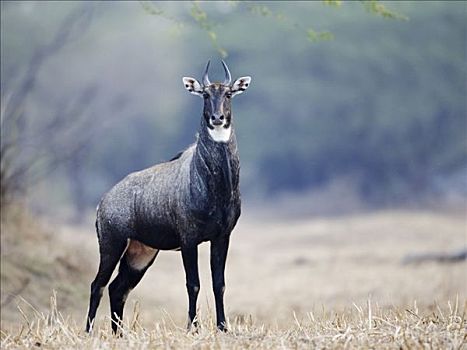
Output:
(362, 327)
(316, 283)
(35, 261)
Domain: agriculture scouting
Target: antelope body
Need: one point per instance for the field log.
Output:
(176, 205)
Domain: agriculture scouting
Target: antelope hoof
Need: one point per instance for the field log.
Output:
(193, 327)
(221, 327)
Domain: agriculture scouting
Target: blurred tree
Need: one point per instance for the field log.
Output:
(31, 150)
(382, 104)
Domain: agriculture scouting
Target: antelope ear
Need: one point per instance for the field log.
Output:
(240, 85)
(193, 86)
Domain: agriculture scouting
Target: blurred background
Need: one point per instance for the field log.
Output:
(346, 106)
(354, 107)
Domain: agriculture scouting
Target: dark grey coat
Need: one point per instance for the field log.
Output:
(175, 205)
(183, 202)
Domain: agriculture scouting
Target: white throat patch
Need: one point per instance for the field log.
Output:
(220, 134)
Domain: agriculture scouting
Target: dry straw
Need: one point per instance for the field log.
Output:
(358, 327)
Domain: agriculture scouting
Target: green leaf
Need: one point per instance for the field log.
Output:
(335, 3)
(374, 6)
(315, 36)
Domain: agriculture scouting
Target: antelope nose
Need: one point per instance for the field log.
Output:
(217, 120)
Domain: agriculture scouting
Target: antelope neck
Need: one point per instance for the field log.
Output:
(220, 159)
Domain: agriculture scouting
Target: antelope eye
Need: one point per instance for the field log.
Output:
(228, 95)
(206, 95)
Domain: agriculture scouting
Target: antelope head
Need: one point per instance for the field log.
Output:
(217, 97)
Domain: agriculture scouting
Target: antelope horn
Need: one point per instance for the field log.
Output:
(228, 77)
(206, 81)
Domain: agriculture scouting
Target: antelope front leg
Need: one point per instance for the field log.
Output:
(190, 263)
(219, 249)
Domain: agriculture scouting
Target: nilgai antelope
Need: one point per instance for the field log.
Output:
(176, 205)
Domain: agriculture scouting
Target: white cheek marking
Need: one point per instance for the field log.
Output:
(220, 134)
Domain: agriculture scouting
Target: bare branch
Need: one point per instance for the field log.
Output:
(21, 153)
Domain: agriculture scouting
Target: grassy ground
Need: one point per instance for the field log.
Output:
(363, 327)
(316, 283)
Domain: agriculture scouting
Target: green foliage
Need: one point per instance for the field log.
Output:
(153, 9)
(263, 9)
(319, 36)
(335, 3)
(280, 17)
(201, 18)
(376, 7)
